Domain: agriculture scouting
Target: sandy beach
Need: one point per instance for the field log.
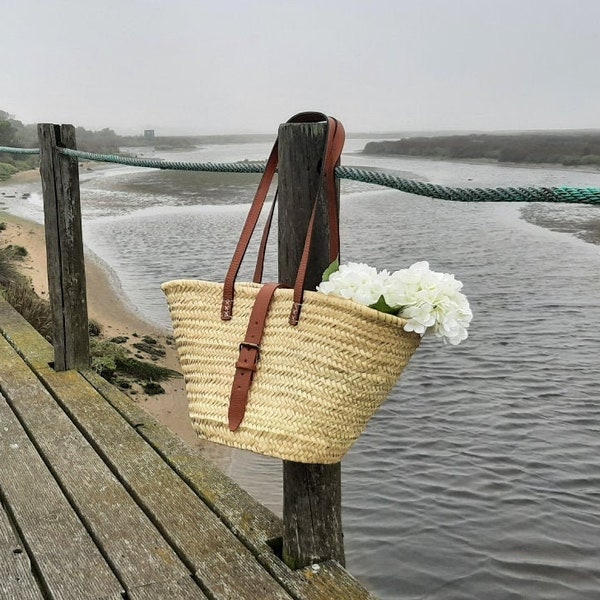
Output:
(106, 306)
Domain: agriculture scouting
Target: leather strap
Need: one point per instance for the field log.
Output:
(332, 152)
(247, 231)
(262, 249)
(249, 355)
(249, 349)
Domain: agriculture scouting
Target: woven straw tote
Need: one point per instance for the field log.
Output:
(284, 372)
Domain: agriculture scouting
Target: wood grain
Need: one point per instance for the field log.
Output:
(64, 247)
(67, 561)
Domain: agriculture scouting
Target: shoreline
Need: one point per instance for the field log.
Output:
(118, 317)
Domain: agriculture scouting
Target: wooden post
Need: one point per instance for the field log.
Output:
(64, 247)
(312, 512)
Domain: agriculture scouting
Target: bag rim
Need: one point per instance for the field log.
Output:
(343, 303)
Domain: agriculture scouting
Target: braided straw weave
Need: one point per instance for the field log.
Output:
(317, 384)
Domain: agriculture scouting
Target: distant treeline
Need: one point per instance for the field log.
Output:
(18, 135)
(105, 141)
(569, 148)
(15, 134)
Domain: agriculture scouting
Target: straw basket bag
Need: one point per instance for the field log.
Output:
(284, 372)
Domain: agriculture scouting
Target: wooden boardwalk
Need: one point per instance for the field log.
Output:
(97, 500)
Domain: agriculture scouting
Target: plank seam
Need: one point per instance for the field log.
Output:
(292, 582)
(35, 569)
(143, 430)
(59, 483)
(40, 372)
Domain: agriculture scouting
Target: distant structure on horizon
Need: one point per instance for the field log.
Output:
(148, 133)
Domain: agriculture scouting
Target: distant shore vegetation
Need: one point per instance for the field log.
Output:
(568, 148)
(15, 134)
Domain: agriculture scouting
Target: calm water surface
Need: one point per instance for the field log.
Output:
(480, 475)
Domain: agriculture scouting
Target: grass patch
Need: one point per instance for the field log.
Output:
(17, 291)
(18, 251)
(110, 358)
(105, 357)
(35, 310)
(113, 362)
(94, 328)
(144, 370)
(7, 170)
(9, 273)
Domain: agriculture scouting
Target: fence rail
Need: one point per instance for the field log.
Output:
(564, 194)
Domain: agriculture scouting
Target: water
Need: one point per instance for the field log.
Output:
(480, 475)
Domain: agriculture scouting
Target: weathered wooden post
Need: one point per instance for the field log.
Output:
(312, 512)
(64, 247)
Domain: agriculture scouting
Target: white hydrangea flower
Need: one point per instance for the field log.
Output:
(356, 281)
(431, 302)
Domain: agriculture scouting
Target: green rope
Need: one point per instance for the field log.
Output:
(157, 163)
(571, 195)
(510, 194)
(7, 150)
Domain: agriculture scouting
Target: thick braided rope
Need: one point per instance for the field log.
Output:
(8, 150)
(236, 167)
(573, 195)
(508, 194)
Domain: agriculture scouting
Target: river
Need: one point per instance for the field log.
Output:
(480, 475)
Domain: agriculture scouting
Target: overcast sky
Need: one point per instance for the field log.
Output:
(226, 66)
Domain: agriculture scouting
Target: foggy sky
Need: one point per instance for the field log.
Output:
(227, 66)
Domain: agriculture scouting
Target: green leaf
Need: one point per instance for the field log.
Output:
(332, 268)
(382, 306)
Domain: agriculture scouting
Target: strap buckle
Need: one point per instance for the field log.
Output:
(250, 346)
(244, 362)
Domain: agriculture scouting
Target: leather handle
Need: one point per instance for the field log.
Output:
(247, 231)
(332, 152)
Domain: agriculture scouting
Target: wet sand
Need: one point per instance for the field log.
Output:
(107, 306)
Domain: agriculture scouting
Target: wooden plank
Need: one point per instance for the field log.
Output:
(64, 247)
(220, 561)
(225, 567)
(20, 333)
(184, 589)
(312, 497)
(330, 575)
(67, 561)
(16, 578)
(133, 545)
(252, 523)
(249, 520)
(324, 581)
